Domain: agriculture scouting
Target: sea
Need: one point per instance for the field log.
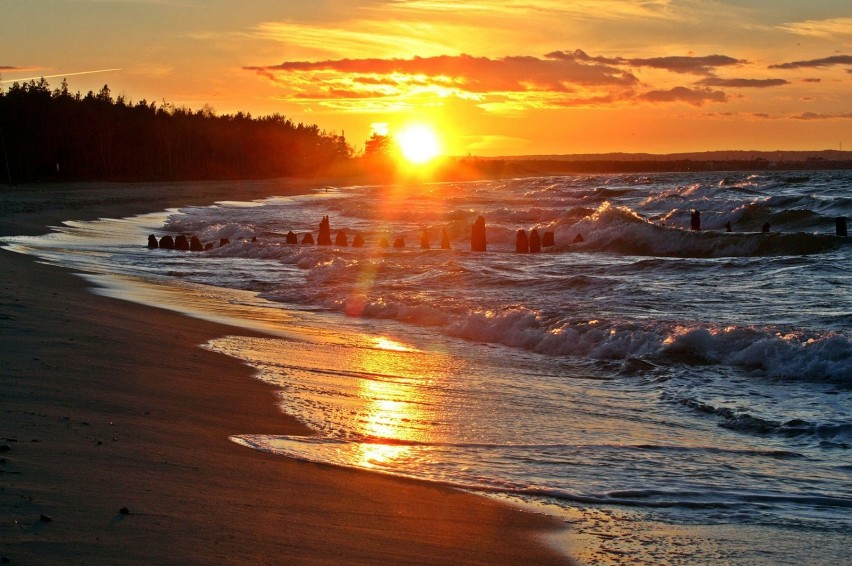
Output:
(675, 396)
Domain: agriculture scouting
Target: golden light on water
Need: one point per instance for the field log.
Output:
(384, 343)
(391, 409)
(385, 421)
(379, 455)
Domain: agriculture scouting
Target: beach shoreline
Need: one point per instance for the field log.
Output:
(116, 426)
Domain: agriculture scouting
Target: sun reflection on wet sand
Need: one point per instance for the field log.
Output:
(375, 402)
(391, 412)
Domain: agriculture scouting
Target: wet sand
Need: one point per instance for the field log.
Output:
(114, 428)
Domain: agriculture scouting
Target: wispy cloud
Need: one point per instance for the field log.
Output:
(405, 28)
(586, 9)
(367, 37)
(830, 28)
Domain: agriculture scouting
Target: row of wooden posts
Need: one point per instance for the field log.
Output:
(840, 227)
(523, 244)
(478, 242)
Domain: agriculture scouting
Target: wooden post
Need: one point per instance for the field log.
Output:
(477, 235)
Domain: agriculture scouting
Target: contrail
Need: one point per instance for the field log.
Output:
(59, 75)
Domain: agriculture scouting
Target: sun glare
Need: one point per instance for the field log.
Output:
(418, 143)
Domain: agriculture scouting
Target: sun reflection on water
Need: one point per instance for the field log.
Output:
(393, 410)
(374, 401)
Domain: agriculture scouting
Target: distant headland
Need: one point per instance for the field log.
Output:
(735, 160)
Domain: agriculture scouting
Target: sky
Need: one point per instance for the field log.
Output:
(513, 77)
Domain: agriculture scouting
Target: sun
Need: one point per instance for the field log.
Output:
(418, 143)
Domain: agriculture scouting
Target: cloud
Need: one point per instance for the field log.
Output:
(404, 28)
(821, 116)
(605, 10)
(824, 62)
(695, 97)
(830, 28)
(677, 64)
(371, 38)
(508, 84)
(742, 83)
(469, 73)
(694, 65)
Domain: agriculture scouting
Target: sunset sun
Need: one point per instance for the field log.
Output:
(418, 143)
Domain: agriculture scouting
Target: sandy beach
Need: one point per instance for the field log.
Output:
(115, 428)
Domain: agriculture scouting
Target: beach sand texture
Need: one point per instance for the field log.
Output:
(109, 406)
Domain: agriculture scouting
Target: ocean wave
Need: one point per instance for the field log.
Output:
(334, 451)
(818, 357)
(835, 434)
(654, 224)
(621, 230)
(821, 357)
(485, 298)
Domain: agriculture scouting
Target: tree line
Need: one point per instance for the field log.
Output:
(48, 135)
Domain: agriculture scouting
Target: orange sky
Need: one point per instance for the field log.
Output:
(494, 77)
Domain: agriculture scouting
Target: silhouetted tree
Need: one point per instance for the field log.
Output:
(378, 145)
(46, 135)
(379, 152)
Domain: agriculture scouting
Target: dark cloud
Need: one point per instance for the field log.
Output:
(816, 80)
(693, 65)
(742, 83)
(557, 79)
(820, 116)
(696, 97)
(824, 62)
(474, 74)
(582, 56)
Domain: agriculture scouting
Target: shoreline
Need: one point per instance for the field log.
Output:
(110, 405)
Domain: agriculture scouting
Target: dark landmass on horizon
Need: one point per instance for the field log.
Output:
(735, 160)
(778, 156)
